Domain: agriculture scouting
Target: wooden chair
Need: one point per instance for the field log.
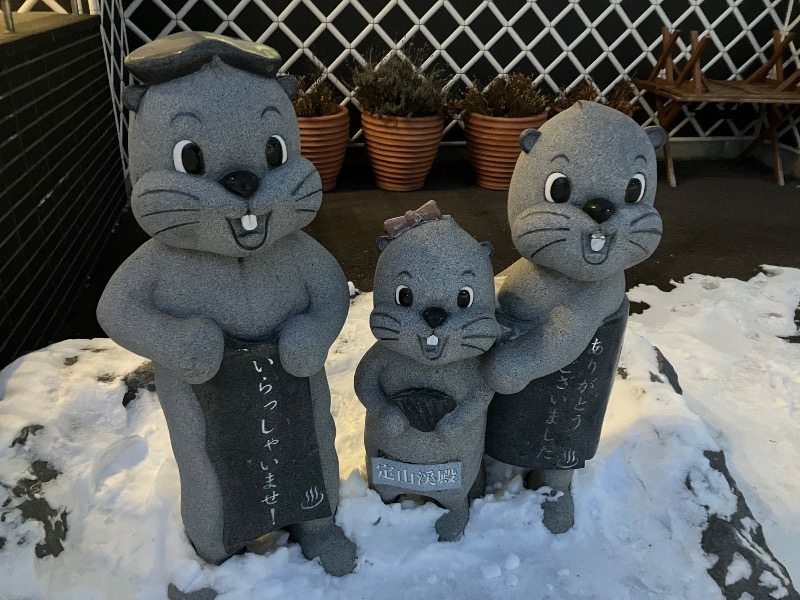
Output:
(682, 86)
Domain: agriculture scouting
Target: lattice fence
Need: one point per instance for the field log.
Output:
(559, 41)
(115, 41)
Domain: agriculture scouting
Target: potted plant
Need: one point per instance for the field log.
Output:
(585, 90)
(494, 116)
(324, 126)
(402, 119)
(620, 97)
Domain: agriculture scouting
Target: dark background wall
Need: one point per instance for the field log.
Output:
(61, 177)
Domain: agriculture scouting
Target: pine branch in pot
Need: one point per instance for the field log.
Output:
(494, 116)
(324, 126)
(402, 118)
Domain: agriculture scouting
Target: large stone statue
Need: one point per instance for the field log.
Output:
(581, 211)
(234, 304)
(426, 400)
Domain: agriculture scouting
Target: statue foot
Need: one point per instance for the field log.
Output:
(326, 540)
(450, 526)
(559, 512)
(174, 593)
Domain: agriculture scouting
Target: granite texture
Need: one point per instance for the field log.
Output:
(580, 208)
(174, 593)
(428, 353)
(184, 53)
(219, 184)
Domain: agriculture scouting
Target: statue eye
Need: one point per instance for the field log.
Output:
(465, 297)
(635, 189)
(276, 151)
(557, 188)
(188, 158)
(403, 295)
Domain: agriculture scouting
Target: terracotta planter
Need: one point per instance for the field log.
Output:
(323, 141)
(493, 146)
(401, 149)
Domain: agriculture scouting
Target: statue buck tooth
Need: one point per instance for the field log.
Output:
(249, 222)
(432, 340)
(598, 241)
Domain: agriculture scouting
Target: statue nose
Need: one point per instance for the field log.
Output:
(434, 316)
(241, 183)
(600, 209)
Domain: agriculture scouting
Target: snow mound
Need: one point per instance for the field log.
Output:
(728, 341)
(90, 495)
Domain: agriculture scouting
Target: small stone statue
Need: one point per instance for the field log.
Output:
(426, 400)
(234, 304)
(581, 211)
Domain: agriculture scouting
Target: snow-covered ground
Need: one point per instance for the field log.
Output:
(641, 505)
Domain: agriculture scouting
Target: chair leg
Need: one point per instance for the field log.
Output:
(763, 135)
(777, 162)
(664, 120)
(670, 167)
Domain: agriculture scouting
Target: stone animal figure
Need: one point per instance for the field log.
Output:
(580, 207)
(235, 305)
(426, 401)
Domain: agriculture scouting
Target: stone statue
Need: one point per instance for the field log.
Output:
(580, 207)
(426, 400)
(234, 304)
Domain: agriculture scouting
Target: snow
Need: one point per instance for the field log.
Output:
(738, 569)
(512, 562)
(721, 335)
(769, 581)
(638, 525)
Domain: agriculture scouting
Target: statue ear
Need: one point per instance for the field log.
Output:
(289, 84)
(382, 242)
(528, 138)
(132, 96)
(658, 137)
(488, 248)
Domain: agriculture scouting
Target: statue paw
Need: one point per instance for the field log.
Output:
(504, 382)
(302, 354)
(202, 348)
(394, 421)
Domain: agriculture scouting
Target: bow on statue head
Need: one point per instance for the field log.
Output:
(427, 212)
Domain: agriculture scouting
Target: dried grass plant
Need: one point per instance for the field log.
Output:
(315, 96)
(584, 91)
(513, 95)
(620, 97)
(398, 87)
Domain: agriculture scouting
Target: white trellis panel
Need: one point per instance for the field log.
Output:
(457, 36)
(115, 42)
